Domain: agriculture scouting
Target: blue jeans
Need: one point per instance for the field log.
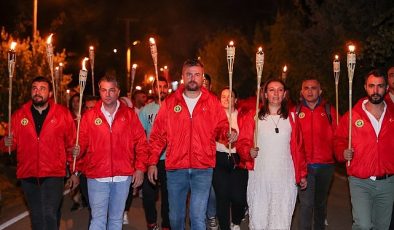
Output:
(107, 201)
(179, 182)
(211, 209)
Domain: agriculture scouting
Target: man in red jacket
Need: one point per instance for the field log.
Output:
(187, 124)
(114, 151)
(371, 158)
(318, 123)
(42, 131)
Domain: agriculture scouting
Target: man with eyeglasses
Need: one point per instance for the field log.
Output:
(188, 123)
(114, 150)
(41, 134)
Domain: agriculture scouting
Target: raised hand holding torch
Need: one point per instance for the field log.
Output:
(83, 75)
(230, 63)
(259, 68)
(337, 69)
(91, 60)
(153, 51)
(50, 63)
(11, 69)
(351, 65)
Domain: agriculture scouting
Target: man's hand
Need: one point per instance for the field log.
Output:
(303, 183)
(76, 150)
(72, 182)
(348, 154)
(152, 174)
(254, 152)
(138, 178)
(8, 140)
(232, 136)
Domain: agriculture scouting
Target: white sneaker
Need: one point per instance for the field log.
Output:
(235, 227)
(125, 218)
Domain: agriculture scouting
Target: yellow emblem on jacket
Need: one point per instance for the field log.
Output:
(98, 121)
(24, 121)
(177, 108)
(359, 123)
(301, 115)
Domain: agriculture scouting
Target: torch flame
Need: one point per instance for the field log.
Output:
(165, 67)
(152, 41)
(285, 69)
(49, 39)
(13, 45)
(61, 64)
(134, 66)
(336, 57)
(84, 63)
(91, 48)
(260, 49)
(231, 43)
(68, 91)
(352, 48)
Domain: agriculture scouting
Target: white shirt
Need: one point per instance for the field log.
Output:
(191, 103)
(110, 120)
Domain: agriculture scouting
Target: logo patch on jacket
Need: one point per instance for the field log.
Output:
(177, 108)
(359, 123)
(24, 121)
(301, 115)
(98, 121)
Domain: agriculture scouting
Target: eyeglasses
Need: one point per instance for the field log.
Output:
(111, 90)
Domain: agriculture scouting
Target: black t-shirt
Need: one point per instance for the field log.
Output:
(39, 118)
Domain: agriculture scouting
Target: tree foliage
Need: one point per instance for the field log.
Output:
(28, 65)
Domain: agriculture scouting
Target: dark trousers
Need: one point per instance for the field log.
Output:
(129, 199)
(392, 220)
(313, 200)
(149, 197)
(83, 184)
(230, 188)
(43, 196)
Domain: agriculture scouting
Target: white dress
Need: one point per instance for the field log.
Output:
(272, 189)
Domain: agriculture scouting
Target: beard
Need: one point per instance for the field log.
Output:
(375, 98)
(39, 103)
(192, 86)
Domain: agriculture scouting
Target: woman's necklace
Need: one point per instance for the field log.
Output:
(276, 124)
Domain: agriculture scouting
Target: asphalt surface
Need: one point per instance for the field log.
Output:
(339, 212)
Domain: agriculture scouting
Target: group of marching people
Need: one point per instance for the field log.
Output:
(190, 142)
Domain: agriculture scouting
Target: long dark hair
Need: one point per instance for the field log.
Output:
(284, 109)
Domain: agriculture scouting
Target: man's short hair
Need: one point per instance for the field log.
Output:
(42, 79)
(91, 98)
(376, 73)
(135, 93)
(161, 78)
(192, 62)
(109, 78)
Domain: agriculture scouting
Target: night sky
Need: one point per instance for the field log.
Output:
(179, 26)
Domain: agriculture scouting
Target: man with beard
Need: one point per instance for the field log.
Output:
(147, 117)
(188, 123)
(370, 164)
(42, 132)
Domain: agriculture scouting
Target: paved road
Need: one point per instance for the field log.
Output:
(339, 212)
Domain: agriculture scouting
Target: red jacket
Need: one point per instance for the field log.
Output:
(190, 140)
(44, 155)
(112, 151)
(245, 143)
(318, 133)
(388, 100)
(373, 156)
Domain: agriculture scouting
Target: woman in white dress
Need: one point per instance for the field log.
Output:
(279, 160)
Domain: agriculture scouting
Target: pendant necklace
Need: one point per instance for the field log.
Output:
(276, 124)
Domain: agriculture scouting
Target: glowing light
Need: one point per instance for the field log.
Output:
(336, 57)
(134, 66)
(12, 46)
(285, 69)
(152, 41)
(49, 39)
(231, 43)
(352, 48)
(151, 78)
(138, 87)
(115, 50)
(84, 63)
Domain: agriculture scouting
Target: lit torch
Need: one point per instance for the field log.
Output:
(230, 63)
(91, 60)
(133, 69)
(50, 63)
(83, 75)
(11, 69)
(284, 73)
(337, 69)
(351, 65)
(153, 51)
(259, 68)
